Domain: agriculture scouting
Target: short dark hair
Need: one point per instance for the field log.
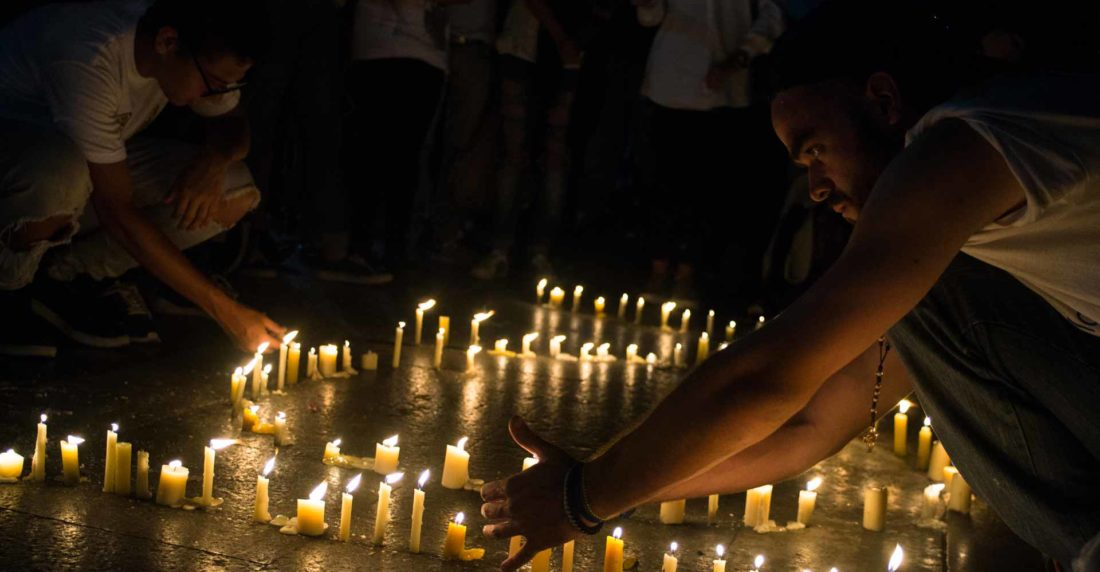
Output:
(852, 39)
(238, 27)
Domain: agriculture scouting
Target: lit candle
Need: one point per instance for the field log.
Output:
(398, 336)
(123, 452)
(437, 357)
(264, 375)
(454, 547)
(895, 559)
(632, 353)
(670, 561)
(282, 433)
(672, 512)
(311, 365)
(345, 507)
(613, 551)
(807, 499)
(141, 482)
(599, 305)
(347, 363)
(332, 450)
(757, 563)
(208, 470)
(70, 459)
(639, 307)
(311, 511)
(685, 321)
(38, 461)
(938, 461)
(327, 360)
(586, 350)
(677, 355)
(109, 468)
(172, 485)
(501, 346)
(666, 310)
(603, 352)
(710, 323)
(651, 358)
(417, 513)
(386, 455)
(758, 505)
(420, 309)
(540, 290)
(470, 353)
(445, 325)
(293, 358)
(257, 370)
(526, 347)
(578, 291)
(236, 387)
(260, 511)
(731, 328)
(720, 562)
(712, 509)
(557, 296)
(949, 473)
(555, 345)
(382, 515)
(11, 466)
(958, 498)
(703, 349)
(623, 301)
(567, 557)
(924, 444)
(456, 465)
(249, 418)
(283, 348)
(874, 508)
(901, 426)
(931, 505)
(760, 322)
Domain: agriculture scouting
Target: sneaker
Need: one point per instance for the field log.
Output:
(353, 269)
(137, 319)
(30, 335)
(76, 309)
(541, 266)
(492, 267)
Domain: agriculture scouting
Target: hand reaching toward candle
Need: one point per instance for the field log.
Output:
(247, 327)
(529, 503)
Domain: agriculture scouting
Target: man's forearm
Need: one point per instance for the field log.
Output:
(228, 138)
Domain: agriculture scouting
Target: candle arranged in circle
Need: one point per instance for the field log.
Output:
(670, 561)
(807, 499)
(901, 426)
(172, 486)
(420, 309)
(260, 511)
(382, 515)
(70, 459)
(345, 507)
(720, 561)
(613, 551)
(417, 513)
(311, 512)
(456, 465)
(386, 455)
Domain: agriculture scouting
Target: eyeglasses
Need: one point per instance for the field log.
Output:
(211, 90)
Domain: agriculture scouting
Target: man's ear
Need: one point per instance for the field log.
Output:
(167, 41)
(884, 98)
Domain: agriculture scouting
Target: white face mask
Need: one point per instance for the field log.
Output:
(17, 268)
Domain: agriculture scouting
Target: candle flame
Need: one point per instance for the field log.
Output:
(542, 284)
(927, 421)
(760, 320)
(267, 369)
(238, 372)
(459, 518)
(686, 314)
(758, 561)
(632, 348)
(528, 338)
(641, 301)
(426, 305)
(668, 306)
(175, 464)
(720, 550)
(557, 291)
(313, 351)
(347, 344)
(904, 405)
(254, 408)
(603, 348)
(618, 533)
(625, 298)
(248, 367)
(353, 483)
(462, 443)
(394, 477)
(473, 350)
(319, 492)
(10, 452)
(733, 324)
(336, 442)
(262, 348)
(219, 444)
(833, 569)
(673, 547)
(679, 346)
(577, 290)
(482, 316)
(895, 559)
(813, 484)
(280, 416)
(73, 440)
(42, 418)
(559, 338)
(423, 479)
(269, 466)
(391, 442)
(587, 347)
(289, 337)
(651, 358)
(704, 337)
(937, 488)
(600, 300)
(710, 313)
(114, 427)
(723, 346)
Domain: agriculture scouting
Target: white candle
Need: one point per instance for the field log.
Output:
(720, 562)
(578, 291)
(420, 309)
(382, 516)
(874, 508)
(710, 323)
(11, 465)
(555, 345)
(311, 512)
(38, 461)
(123, 453)
(924, 444)
(264, 375)
(677, 355)
(292, 362)
(586, 350)
(639, 307)
(257, 370)
(599, 304)
(557, 296)
(623, 301)
(685, 321)
(311, 364)
(260, 512)
(208, 468)
(613, 551)
(456, 465)
(283, 348)
(475, 325)
(666, 310)
(672, 512)
(282, 432)
(931, 505)
(526, 344)
(141, 482)
(470, 353)
(901, 427)
(437, 357)
(959, 498)
(445, 325)
(540, 290)
(347, 363)
(327, 360)
(172, 486)
(501, 345)
(758, 503)
(669, 563)
(632, 353)
(70, 459)
(418, 513)
(731, 329)
(386, 455)
(807, 499)
(398, 335)
(332, 450)
(603, 352)
(109, 465)
(938, 461)
(237, 382)
(345, 508)
(895, 559)
(703, 349)
(712, 509)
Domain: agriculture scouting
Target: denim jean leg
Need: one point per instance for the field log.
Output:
(1011, 388)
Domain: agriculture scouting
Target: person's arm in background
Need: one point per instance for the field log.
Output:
(567, 47)
(766, 28)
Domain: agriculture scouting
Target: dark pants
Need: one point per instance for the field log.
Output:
(394, 101)
(1013, 390)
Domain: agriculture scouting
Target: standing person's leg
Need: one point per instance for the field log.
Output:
(555, 171)
(677, 146)
(1012, 389)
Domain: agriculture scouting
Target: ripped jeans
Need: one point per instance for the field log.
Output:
(43, 174)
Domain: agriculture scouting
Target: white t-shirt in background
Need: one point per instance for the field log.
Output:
(72, 66)
(1047, 128)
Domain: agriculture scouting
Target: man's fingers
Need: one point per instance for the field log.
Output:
(493, 491)
(525, 437)
(525, 554)
(181, 205)
(273, 326)
(506, 529)
(496, 510)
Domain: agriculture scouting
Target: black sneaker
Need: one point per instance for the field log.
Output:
(351, 270)
(27, 334)
(136, 317)
(76, 309)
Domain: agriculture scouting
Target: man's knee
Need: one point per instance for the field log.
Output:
(46, 189)
(236, 204)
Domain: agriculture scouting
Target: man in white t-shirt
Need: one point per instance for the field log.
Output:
(975, 249)
(84, 197)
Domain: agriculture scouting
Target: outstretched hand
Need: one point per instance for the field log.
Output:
(529, 503)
